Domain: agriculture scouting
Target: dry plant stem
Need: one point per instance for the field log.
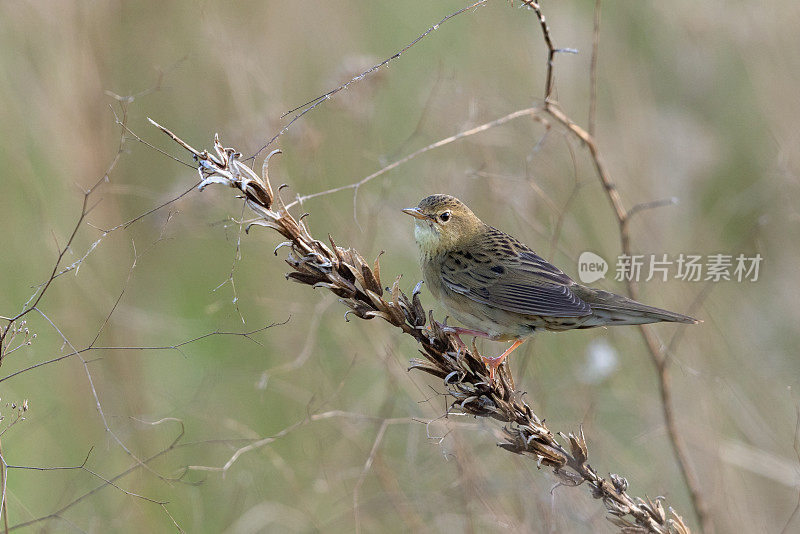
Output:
(527, 112)
(34, 304)
(3, 508)
(598, 4)
(465, 377)
(36, 297)
(82, 467)
(623, 217)
(177, 443)
(315, 103)
(57, 271)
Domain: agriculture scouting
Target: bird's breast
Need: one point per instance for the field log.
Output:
(431, 274)
(498, 324)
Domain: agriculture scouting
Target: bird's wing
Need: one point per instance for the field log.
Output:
(509, 276)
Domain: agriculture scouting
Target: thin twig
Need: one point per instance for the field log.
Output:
(3, 475)
(796, 446)
(82, 467)
(176, 346)
(598, 5)
(178, 444)
(16, 323)
(656, 354)
(86, 208)
(527, 112)
(111, 482)
(259, 443)
(95, 395)
(364, 470)
(316, 102)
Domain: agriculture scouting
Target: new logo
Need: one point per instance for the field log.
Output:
(591, 267)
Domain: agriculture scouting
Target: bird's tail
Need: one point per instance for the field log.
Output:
(612, 309)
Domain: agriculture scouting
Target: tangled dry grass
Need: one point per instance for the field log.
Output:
(344, 272)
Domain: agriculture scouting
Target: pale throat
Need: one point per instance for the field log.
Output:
(427, 237)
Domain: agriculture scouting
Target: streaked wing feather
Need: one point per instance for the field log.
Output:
(511, 277)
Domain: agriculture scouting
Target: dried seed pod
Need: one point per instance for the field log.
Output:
(465, 377)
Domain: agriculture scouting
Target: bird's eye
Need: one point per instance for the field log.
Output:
(444, 217)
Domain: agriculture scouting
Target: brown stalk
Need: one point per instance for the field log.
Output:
(623, 216)
(344, 272)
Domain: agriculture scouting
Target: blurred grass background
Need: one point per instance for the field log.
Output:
(695, 101)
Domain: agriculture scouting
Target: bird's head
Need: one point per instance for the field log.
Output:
(443, 223)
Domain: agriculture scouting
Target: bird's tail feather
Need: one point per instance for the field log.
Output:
(610, 309)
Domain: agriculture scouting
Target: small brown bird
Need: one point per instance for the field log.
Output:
(503, 290)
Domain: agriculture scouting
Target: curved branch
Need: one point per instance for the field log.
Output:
(623, 217)
(345, 273)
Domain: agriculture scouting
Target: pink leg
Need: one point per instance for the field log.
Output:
(459, 331)
(494, 363)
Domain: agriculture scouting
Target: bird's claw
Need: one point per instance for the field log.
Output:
(457, 332)
(493, 364)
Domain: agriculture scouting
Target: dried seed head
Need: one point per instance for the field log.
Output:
(345, 273)
(620, 483)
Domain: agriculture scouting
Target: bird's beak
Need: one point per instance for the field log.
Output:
(414, 212)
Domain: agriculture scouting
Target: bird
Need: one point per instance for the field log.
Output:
(500, 289)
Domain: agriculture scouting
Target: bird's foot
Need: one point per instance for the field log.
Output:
(494, 363)
(458, 332)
